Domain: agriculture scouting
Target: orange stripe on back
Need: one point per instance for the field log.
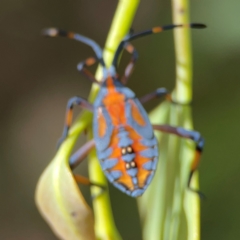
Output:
(113, 97)
(136, 114)
(102, 125)
(114, 103)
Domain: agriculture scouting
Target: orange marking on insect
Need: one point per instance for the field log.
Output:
(82, 180)
(136, 114)
(69, 117)
(70, 34)
(169, 97)
(157, 29)
(142, 177)
(114, 139)
(116, 153)
(196, 160)
(90, 61)
(102, 123)
(130, 48)
(125, 178)
(114, 103)
(113, 97)
(137, 146)
(117, 114)
(141, 160)
(127, 181)
(110, 84)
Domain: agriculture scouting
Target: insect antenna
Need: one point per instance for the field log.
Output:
(55, 32)
(154, 30)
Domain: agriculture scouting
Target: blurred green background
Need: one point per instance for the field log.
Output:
(39, 75)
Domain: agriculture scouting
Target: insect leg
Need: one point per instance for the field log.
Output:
(129, 47)
(83, 180)
(81, 153)
(160, 92)
(87, 63)
(189, 134)
(69, 114)
(77, 158)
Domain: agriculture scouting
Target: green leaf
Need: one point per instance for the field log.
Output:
(58, 197)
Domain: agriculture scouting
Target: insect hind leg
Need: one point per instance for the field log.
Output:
(199, 141)
(77, 158)
(158, 93)
(83, 180)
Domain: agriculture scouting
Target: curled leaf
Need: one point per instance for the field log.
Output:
(59, 199)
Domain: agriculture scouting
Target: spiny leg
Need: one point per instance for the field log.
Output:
(189, 134)
(69, 115)
(128, 70)
(77, 158)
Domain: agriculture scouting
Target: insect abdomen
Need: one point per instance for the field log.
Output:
(130, 161)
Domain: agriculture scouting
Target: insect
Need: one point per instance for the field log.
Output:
(123, 135)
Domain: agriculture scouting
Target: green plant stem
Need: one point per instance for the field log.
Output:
(173, 211)
(183, 53)
(182, 40)
(104, 223)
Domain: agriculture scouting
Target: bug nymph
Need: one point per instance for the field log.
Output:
(123, 135)
(125, 143)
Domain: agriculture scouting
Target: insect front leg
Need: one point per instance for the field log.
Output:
(87, 63)
(69, 114)
(189, 134)
(77, 158)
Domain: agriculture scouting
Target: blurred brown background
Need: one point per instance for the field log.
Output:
(39, 75)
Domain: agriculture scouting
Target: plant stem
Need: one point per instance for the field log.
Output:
(173, 211)
(183, 53)
(104, 223)
(182, 39)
